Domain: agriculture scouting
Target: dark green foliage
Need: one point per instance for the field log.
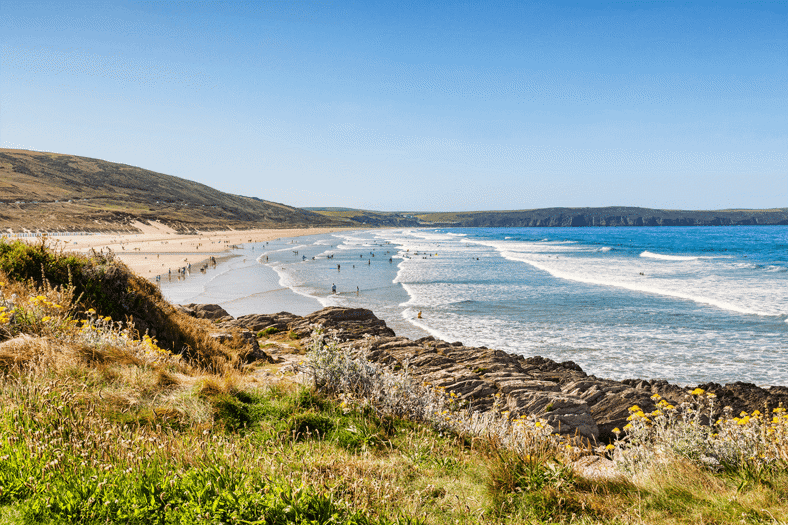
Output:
(22, 262)
(301, 415)
(304, 425)
(232, 412)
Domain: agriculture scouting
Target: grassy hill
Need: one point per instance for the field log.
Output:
(54, 192)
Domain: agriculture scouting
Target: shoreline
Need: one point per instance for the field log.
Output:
(159, 249)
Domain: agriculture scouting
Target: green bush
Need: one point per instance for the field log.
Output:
(304, 425)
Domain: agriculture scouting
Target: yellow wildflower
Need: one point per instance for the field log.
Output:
(610, 447)
(698, 392)
(616, 430)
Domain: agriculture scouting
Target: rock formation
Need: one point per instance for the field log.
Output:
(573, 402)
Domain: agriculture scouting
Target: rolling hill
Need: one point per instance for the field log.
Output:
(55, 192)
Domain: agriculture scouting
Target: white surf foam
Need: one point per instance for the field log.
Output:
(411, 316)
(662, 257)
(633, 286)
(286, 281)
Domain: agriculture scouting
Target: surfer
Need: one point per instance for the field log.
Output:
(419, 316)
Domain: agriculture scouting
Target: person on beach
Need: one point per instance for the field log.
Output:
(338, 266)
(357, 290)
(333, 288)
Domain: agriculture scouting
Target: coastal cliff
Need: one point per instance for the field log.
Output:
(607, 216)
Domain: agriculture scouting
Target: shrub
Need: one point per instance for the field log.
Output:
(694, 432)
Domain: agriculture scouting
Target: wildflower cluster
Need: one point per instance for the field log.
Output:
(359, 382)
(103, 333)
(691, 431)
(29, 314)
(5, 313)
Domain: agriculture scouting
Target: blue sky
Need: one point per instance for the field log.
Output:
(414, 106)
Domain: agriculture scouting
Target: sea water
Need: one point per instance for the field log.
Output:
(686, 304)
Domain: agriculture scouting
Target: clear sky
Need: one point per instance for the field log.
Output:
(442, 106)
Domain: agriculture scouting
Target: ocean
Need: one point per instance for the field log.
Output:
(686, 304)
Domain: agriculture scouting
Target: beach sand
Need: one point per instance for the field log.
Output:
(159, 248)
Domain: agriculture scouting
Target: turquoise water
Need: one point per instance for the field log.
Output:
(685, 304)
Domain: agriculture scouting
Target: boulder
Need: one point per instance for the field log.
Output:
(213, 312)
(259, 322)
(350, 323)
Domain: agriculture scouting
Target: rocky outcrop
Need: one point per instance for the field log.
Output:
(213, 312)
(573, 402)
(349, 323)
(259, 322)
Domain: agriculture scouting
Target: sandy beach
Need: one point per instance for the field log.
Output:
(158, 248)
